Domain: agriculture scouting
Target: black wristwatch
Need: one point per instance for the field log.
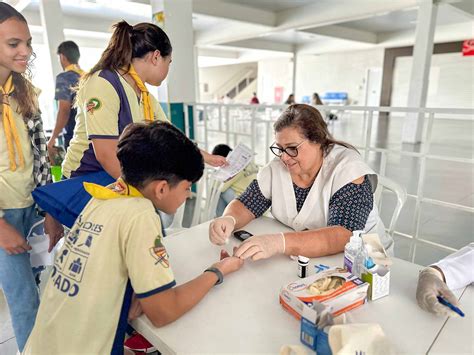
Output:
(220, 276)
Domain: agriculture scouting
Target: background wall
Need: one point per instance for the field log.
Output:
(451, 81)
(274, 73)
(345, 72)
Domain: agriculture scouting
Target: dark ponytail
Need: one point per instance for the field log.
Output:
(130, 42)
(24, 93)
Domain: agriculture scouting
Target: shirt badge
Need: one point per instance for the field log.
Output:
(93, 104)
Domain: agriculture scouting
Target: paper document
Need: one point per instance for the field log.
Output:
(39, 242)
(238, 159)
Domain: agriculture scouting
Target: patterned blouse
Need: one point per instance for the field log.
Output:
(349, 207)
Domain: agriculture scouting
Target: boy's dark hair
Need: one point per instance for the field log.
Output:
(70, 50)
(158, 151)
(222, 150)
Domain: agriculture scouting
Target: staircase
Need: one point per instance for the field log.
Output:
(237, 83)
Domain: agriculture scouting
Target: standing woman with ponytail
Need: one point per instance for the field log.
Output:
(113, 94)
(23, 165)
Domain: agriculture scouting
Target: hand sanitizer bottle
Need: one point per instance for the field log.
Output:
(352, 249)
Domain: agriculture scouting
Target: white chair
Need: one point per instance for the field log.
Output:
(209, 187)
(384, 183)
(213, 192)
(177, 224)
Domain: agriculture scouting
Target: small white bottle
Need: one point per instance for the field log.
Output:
(352, 249)
(302, 266)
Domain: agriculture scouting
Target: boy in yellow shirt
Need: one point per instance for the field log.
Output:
(116, 248)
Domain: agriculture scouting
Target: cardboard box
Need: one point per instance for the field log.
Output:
(335, 288)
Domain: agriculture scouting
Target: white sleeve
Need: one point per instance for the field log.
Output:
(458, 268)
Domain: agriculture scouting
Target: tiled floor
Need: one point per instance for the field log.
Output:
(447, 181)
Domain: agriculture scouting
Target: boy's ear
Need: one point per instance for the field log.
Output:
(161, 189)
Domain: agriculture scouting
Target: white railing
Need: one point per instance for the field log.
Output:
(253, 125)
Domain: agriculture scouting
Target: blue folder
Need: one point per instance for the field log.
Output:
(65, 200)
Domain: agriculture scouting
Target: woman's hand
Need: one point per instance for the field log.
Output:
(261, 246)
(228, 264)
(220, 229)
(10, 240)
(54, 230)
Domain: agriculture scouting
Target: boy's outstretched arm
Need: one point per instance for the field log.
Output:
(167, 306)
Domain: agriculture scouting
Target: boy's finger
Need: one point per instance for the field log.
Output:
(224, 254)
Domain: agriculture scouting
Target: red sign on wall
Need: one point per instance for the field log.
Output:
(278, 94)
(468, 47)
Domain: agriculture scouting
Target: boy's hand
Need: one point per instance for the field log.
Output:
(54, 229)
(220, 229)
(135, 310)
(228, 264)
(10, 240)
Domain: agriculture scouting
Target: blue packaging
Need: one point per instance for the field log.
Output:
(314, 338)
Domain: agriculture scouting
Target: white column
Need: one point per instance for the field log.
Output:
(175, 17)
(295, 64)
(419, 79)
(53, 31)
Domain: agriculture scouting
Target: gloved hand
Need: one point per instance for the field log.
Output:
(431, 285)
(220, 229)
(261, 246)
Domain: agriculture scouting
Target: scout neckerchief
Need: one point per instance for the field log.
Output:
(11, 133)
(147, 108)
(75, 68)
(116, 190)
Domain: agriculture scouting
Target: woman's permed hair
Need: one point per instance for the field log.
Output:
(130, 42)
(309, 122)
(24, 93)
(158, 151)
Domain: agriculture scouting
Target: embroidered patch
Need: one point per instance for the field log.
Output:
(93, 104)
(158, 252)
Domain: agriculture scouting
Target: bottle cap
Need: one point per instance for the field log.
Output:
(303, 259)
(369, 263)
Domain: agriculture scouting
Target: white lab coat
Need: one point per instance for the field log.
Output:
(340, 167)
(458, 268)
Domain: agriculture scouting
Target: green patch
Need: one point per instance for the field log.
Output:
(93, 104)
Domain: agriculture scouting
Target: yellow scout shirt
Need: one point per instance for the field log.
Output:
(16, 186)
(81, 308)
(98, 108)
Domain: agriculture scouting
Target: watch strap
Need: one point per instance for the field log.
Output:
(220, 276)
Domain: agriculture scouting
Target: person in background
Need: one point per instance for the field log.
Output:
(65, 94)
(125, 250)
(316, 100)
(113, 94)
(290, 100)
(453, 272)
(320, 187)
(235, 186)
(23, 165)
(254, 100)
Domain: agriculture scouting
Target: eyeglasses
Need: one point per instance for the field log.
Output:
(290, 151)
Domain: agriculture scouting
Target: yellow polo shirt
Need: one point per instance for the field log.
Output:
(16, 186)
(98, 106)
(81, 308)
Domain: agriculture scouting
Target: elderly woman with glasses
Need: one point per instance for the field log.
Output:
(318, 186)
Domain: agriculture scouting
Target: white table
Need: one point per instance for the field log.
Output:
(457, 335)
(243, 314)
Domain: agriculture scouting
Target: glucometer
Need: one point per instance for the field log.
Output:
(242, 235)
